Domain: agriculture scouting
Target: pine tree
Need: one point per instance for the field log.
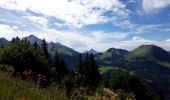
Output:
(44, 47)
(60, 67)
(93, 75)
(88, 72)
(80, 71)
(35, 45)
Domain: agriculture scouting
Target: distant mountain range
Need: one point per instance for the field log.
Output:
(150, 62)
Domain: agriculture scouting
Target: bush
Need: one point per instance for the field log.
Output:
(129, 83)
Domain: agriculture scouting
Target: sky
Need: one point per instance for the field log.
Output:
(86, 24)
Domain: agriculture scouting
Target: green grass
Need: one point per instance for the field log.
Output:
(140, 52)
(106, 55)
(166, 64)
(105, 69)
(64, 51)
(16, 89)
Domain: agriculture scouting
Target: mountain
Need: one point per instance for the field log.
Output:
(152, 64)
(69, 55)
(3, 41)
(149, 52)
(92, 51)
(33, 38)
(111, 57)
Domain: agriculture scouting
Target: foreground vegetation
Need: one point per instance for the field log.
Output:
(15, 89)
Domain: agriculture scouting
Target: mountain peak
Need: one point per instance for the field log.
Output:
(92, 51)
(148, 46)
(111, 49)
(33, 38)
(117, 50)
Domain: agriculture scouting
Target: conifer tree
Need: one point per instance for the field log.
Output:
(35, 45)
(44, 47)
(60, 67)
(94, 75)
(80, 72)
(88, 72)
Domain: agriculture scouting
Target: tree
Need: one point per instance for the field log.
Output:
(129, 82)
(88, 72)
(44, 47)
(93, 73)
(60, 67)
(35, 45)
(22, 56)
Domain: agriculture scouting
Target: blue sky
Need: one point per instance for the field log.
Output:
(86, 24)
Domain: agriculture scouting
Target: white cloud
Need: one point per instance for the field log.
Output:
(74, 12)
(138, 28)
(147, 28)
(154, 5)
(38, 20)
(166, 30)
(6, 31)
(132, 1)
(10, 32)
(125, 24)
(119, 35)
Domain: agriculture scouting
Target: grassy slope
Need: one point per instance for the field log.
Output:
(104, 70)
(16, 89)
(65, 51)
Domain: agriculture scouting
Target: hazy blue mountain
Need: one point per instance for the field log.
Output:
(92, 51)
(33, 38)
(3, 41)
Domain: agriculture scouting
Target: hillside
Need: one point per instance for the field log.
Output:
(16, 89)
(112, 57)
(151, 63)
(149, 52)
